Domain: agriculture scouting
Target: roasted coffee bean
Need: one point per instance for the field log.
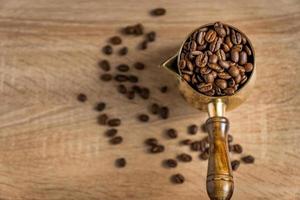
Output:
(105, 65)
(228, 42)
(188, 72)
(204, 155)
(234, 71)
(139, 66)
(114, 122)
(102, 119)
(144, 45)
(221, 83)
(197, 146)
(201, 38)
(221, 54)
(192, 129)
(122, 89)
(203, 71)
(247, 50)
(120, 162)
(234, 55)
(248, 159)
(214, 74)
(164, 112)
(137, 89)
(107, 49)
(123, 51)
(201, 47)
(151, 36)
(225, 48)
(237, 47)
(242, 58)
(229, 138)
(154, 108)
(171, 133)
(186, 142)
(116, 140)
(210, 92)
(157, 148)
(182, 64)
(242, 70)
(244, 80)
(213, 58)
(100, 106)
(227, 29)
(111, 132)
(184, 157)
(215, 67)
(219, 29)
(248, 67)
(106, 77)
(215, 45)
(177, 178)
(151, 141)
(130, 94)
(235, 165)
(237, 79)
(203, 128)
(244, 40)
(128, 30)
(189, 65)
(123, 68)
(196, 53)
(138, 29)
(133, 78)
(158, 12)
(210, 36)
(201, 60)
(236, 37)
(224, 64)
(143, 118)
(193, 45)
(115, 40)
(237, 148)
(145, 93)
(209, 78)
(186, 77)
(121, 78)
(229, 91)
(231, 82)
(164, 89)
(170, 163)
(224, 75)
(82, 97)
(204, 87)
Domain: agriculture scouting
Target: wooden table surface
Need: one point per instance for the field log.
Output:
(51, 147)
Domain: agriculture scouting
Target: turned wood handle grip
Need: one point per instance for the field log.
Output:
(219, 182)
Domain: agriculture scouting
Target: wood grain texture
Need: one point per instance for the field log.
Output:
(51, 147)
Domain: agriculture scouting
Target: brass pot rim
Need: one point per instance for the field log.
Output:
(211, 24)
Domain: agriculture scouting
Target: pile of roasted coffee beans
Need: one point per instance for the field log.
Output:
(216, 60)
(128, 84)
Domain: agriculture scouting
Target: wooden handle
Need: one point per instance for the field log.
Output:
(219, 182)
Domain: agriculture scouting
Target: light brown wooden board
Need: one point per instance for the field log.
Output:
(51, 146)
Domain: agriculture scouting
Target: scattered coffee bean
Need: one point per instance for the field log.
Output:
(204, 155)
(164, 112)
(164, 89)
(151, 141)
(123, 51)
(100, 106)
(133, 79)
(151, 36)
(115, 40)
(114, 122)
(170, 163)
(158, 12)
(82, 97)
(137, 29)
(105, 65)
(116, 140)
(184, 157)
(120, 162)
(171, 133)
(144, 93)
(177, 178)
(235, 165)
(248, 159)
(144, 45)
(139, 65)
(237, 148)
(107, 50)
(111, 132)
(121, 78)
(143, 118)
(193, 129)
(102, 119)
(130, 94)
(229, 138)
(106, 77)
(122, 89)
(154, 108)
(123, 68)
(157, 148)
(186, 142)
